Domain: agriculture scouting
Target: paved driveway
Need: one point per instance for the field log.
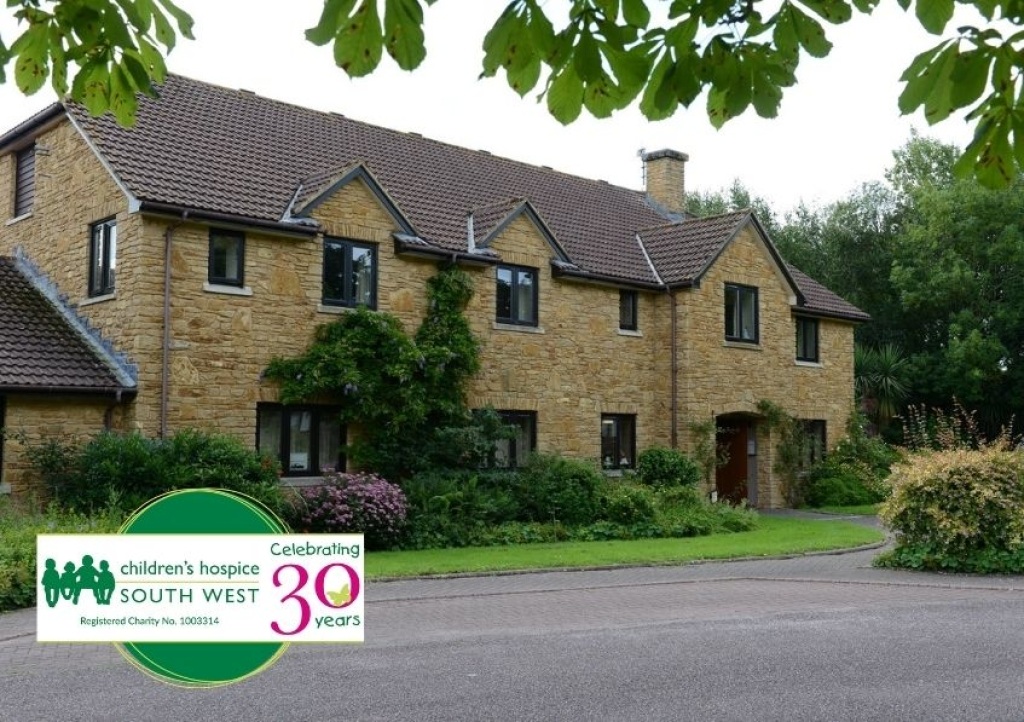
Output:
(811, 638)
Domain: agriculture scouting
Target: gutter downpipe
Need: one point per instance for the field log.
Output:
(165, 363)
(675, 371)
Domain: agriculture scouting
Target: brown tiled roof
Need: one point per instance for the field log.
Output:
(822, 301)
(42, 348)
(486, 219)
(682, 251)
(214, 150)
(210, 148)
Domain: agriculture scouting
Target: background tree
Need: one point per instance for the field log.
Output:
(603, 56)
(938, 262)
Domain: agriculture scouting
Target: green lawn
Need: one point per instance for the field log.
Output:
(861, 510)
(774, 536)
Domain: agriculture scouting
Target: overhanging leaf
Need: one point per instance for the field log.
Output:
(182, 18)
(31, 67)
(636, 13)
(403, 27)
(659, 100)
(360, 43)
(565, 96)
(334, 12)
(969, 76)
(927, 75)
(833, 11)
(934, 14)
(91, 87)
(587, 59)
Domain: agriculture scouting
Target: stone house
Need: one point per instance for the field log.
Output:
(189, 251)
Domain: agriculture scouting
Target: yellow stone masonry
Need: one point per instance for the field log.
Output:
(30, 420)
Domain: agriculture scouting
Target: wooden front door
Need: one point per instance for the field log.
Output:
(731, 477)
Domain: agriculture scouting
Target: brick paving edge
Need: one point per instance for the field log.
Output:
(612, 567)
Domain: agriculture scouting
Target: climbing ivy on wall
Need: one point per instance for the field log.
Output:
(404, 394)
(790, 450)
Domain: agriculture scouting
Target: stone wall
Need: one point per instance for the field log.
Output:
(576, 364)
(30, 419)
(222, 342)
(721, 377)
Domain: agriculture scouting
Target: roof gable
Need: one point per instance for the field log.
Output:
(683, 252)
(487, 223)
(316, 189)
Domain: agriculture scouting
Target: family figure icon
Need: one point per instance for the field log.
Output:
(72, 582)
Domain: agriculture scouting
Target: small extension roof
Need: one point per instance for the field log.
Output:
(44, 347)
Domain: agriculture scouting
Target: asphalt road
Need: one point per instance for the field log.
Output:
(819, 638)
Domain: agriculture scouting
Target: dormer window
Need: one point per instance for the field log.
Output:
(24, 181)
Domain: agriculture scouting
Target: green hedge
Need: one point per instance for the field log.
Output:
(18, 530)
(554, 499)
(126, 470)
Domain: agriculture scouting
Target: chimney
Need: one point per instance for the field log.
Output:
(665, 176)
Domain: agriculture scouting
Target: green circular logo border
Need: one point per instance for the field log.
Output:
(186, 664)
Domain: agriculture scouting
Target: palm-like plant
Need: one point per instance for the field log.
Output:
(880, 380)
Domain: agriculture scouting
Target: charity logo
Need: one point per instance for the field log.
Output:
(73, 582)
(201, 588)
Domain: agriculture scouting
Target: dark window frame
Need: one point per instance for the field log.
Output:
(736, 334)
(24, 181)
(225, 280)
(629, 310)
(808, 348)
(314, 447)
(348, 293)
(104, 282)
(511, 418)
(816, 434)
(617, 455)
(514, 310)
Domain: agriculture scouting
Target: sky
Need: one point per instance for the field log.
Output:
(836, 128)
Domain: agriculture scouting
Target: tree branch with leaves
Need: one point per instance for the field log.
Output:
(597, 55)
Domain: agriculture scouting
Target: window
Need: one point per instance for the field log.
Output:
(741, 313)
(618, 441)
(806, 339)
(227, 257)
(517, 295)
(514, 452)
(102, 257)
(350, 273)
(628, 310)
(305, 440)
(24, 180)
(814, 451)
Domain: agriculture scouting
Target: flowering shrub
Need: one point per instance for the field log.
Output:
(354, 503)
(959, 510)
